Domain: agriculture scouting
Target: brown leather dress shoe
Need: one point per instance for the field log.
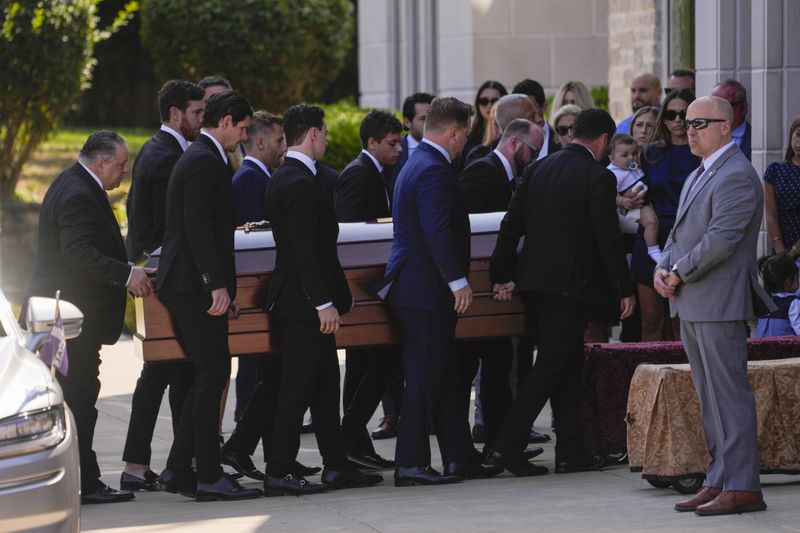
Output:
(704, 495)
(386, 429)
(733, 502)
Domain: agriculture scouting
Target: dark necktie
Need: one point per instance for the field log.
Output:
(696, 177)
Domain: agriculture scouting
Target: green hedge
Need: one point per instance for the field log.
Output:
(343, 119)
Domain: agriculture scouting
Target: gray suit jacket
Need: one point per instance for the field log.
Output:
(713, 244)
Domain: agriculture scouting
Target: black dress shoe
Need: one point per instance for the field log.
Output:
(589, 463)
(240, 462)
(178, 482)
(348, 477)
(105, 494)
(471, 469)
(530, 453)
(135, 483)
(305, 471)
(291, 484)
(386, 429)
(370, 461)
(534, 437)
(478, 434)
(516, 464)
(406, 476)
(225, 488)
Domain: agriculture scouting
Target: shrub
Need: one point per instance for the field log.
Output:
(343, 119)
(46, 51)
(275, 52)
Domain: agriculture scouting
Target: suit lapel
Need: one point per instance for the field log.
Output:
(507, 184)
(687, 196)
(104, 203)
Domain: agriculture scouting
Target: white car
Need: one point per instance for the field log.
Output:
(39, 467)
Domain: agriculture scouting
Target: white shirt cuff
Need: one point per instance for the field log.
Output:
(458, 284)
(129, 277)
(324, 306)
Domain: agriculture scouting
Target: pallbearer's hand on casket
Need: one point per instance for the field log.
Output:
(503, 291)
(329, 320)
(463, 298)
(220, 301)
(139, 284)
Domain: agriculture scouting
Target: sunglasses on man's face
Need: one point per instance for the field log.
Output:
(563, 130)
(487, 101)
(671, 114)
(700, 123)
(534, 150)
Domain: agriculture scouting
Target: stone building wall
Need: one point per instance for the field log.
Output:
(635, 44)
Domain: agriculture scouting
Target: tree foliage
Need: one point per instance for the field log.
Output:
(275, 52)
(46, 51)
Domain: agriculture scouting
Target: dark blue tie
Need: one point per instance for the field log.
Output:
(696, 177)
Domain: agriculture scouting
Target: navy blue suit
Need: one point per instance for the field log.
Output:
(249, 185)
(747, 142)
(431, 248)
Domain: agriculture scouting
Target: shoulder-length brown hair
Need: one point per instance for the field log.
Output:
(789, 152)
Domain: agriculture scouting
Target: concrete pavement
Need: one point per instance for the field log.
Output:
(612, 500)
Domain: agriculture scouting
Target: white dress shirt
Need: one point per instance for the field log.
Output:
(412, 144)
(217, 144)
(259, 164)
(178, 137)
(546, 143)
(303, 158)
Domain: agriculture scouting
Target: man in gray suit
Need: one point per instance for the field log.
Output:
(708, 270)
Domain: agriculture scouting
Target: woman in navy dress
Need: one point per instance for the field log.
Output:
(782, 195)
(667, 161)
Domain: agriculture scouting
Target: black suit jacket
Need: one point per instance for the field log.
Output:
(485, 185)
(327, 177)
(197, 255)
(360, 192)
(82, 254)
(565, 208)
(552, 142)
(307, 269)
(145, 204)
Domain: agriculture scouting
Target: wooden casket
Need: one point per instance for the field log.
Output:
(363, 251)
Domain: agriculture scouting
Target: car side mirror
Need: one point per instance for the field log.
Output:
(41, 315)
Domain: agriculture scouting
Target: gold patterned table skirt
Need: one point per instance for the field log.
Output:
(665, 432)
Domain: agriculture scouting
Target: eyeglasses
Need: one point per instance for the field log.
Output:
(534, 150)
(701, 123)
(671, 114)
(563, 130)
(487, 101)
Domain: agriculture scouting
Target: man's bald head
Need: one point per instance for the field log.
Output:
(718, 115)
(645, 91)
(514, 106)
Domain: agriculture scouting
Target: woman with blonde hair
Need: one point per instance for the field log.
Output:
(573, 93)
(562, 122)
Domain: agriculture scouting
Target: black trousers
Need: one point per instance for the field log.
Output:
(81, 387)
(392, 399)
(248, 377)
(309, 378)
(432, 376)
(556, 375)
(368, 373)
(146, 402)
(205, 339)
(258, 416)
(494, 356)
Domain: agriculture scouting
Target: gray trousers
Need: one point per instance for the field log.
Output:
(718, 357)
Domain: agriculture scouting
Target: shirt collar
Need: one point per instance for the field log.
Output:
(412, 143)
(710, 160)
(441, 150)
(739, 132)
(259, 164)
(217, 144)
(303, 158)
(178, 137)
(377, 163)
(506, 164)
(93, 175)
(546, 143)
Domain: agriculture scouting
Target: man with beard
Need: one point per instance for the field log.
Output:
(180, 105)
(645, 91)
